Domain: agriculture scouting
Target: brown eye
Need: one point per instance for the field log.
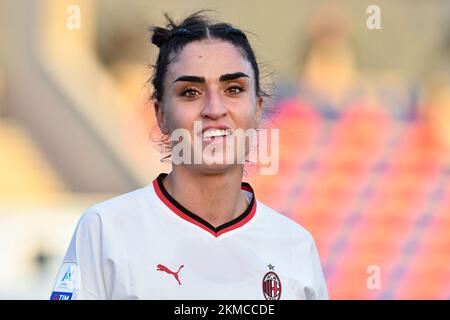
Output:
(190, 93)
(235, 89)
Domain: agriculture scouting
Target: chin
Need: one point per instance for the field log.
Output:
(213, 169)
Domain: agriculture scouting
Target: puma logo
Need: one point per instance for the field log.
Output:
(160, 267)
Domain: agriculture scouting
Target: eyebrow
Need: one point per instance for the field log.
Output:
(224, 77)
(232, 76)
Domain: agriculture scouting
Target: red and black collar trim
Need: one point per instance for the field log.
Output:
(184, 213)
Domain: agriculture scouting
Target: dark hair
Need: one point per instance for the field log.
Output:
(171, 39)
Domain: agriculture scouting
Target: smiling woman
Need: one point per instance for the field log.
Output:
(197, 232)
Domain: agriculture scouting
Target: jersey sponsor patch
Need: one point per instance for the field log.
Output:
(64, 285)
(61, 295)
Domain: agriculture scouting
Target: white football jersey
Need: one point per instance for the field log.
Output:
(146, 245)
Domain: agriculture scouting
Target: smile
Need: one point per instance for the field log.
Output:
(212, 133)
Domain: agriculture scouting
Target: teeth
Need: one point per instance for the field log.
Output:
(215, 133)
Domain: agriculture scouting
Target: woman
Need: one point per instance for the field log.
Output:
(197, 232)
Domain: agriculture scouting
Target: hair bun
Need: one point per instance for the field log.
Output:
(160, 35)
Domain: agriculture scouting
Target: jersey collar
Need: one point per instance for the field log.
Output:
(191, 217)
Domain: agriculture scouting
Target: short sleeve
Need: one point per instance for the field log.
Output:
(80, 276)
(320, 287)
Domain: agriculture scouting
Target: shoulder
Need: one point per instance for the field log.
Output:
(130, 202)
(283, 224)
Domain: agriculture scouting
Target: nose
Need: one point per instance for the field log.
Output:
(214, 107)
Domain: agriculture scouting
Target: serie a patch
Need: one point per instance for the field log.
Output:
(64, 284)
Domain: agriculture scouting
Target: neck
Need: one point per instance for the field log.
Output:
(216, 198)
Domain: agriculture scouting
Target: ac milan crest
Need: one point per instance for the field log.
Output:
(271, 285)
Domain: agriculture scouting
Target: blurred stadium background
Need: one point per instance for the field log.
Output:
(363, 117)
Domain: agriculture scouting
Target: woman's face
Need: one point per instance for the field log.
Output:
(212, 84)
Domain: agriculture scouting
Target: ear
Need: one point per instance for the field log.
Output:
(259, 110)
(159, 113)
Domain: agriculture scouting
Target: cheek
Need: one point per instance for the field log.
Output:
(247, 115)
(179, 116)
